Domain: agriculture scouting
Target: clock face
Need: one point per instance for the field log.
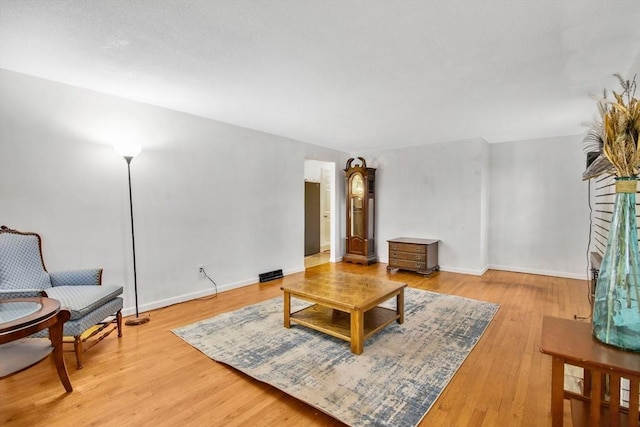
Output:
(357, 185)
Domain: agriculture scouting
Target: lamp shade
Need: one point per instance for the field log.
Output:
(127, 150)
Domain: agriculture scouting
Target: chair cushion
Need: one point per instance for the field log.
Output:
(81, 300)
(21, 263)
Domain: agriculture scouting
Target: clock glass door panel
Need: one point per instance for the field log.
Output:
(360, 188)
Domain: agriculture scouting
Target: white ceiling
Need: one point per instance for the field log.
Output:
(351, 75)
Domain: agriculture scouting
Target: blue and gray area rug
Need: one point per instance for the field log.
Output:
(401, 373)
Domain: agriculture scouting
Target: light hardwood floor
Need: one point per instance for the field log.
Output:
(316, 259)
(151, 377)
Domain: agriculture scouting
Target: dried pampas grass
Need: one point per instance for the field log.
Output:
(620, 130)
(614, 133)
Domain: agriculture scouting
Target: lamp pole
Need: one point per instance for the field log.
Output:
(128, 153)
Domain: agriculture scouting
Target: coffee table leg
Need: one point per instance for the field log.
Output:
(55, 334)
(400, 306)
(287, 309)
(357, 331)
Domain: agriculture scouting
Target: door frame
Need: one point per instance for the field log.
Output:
(331, 166)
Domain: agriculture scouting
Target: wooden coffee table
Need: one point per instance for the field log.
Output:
(345, 306)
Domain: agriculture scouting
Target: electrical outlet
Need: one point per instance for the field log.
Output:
(201, 270)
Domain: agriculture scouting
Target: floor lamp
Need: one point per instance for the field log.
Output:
(128, 152)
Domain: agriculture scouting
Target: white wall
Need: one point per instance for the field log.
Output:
(539, 218)
(204, 192)
(434, 191)
(312, 170)
(485, 213)
(233, 199)
(518, 206)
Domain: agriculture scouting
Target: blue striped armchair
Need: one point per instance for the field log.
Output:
(23, 275)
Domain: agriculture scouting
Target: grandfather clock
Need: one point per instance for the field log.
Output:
(361, 214)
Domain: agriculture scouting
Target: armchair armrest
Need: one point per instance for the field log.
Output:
(76, 277)
(20, 293)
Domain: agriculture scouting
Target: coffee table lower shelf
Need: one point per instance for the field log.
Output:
(338, 323)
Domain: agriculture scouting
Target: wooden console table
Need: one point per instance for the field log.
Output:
(571, 342)
(408, 253)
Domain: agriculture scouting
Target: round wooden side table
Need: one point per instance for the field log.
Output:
(22, 317)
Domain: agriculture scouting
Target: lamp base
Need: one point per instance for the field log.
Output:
(136, 321)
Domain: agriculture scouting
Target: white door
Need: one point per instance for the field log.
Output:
(325, 209)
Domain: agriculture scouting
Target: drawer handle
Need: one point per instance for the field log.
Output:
(418, 257)
(394, 254)
(394, 247)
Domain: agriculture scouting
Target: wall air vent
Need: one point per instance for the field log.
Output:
(271, 275)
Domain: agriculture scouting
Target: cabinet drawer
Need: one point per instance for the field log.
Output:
(406, 264)
(408, 255)
(407, 247)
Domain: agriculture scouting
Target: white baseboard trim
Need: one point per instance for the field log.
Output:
(540, 272)
(293, 271)
(454, 269)
(515, 270)
(187, 297)
(464, 270)
(128, 311)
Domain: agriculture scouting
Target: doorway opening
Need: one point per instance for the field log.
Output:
(320, 228)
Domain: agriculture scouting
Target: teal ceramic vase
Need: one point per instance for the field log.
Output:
(616, 313)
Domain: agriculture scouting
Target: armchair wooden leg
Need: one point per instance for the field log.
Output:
(77, 347)
(119, 322)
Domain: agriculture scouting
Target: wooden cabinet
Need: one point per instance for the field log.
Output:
(419, 255)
